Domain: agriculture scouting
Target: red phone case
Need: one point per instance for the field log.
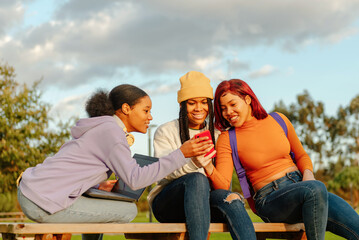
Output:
(206, 133)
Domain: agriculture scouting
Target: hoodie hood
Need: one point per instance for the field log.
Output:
(85, 124)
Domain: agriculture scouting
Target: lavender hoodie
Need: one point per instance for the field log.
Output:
(98, 148)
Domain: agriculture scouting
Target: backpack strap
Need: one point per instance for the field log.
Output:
(281, 122)
(241, 173)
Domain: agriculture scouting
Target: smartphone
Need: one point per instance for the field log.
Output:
(206, 133)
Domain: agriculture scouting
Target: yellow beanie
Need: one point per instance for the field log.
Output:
(194, 84)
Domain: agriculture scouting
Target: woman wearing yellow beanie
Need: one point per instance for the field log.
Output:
(185, 195)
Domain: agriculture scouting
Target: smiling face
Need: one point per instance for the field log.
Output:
(235, 109)
(139, 115)
(197, 111)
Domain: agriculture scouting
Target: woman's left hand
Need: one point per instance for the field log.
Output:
(203, 161)
(107, 185)
(308, 175)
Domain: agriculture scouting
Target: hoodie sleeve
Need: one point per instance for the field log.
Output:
(126, 167)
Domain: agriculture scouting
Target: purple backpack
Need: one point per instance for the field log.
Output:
(241, 173)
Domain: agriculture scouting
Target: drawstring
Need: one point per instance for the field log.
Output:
(19, 179)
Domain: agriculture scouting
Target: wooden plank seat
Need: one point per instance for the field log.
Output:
(158, 231)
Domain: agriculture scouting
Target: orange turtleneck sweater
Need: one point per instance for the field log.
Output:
(263, 149)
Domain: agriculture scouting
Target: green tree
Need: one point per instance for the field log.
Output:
(343, 130)
(25, 136)
(331, 141)
(308, 118)
(346, 183)
(353, 130)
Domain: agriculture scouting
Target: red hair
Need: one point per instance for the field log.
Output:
(241, 89)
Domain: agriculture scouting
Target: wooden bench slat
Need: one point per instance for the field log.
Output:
(58, 228)
(42, 228)
(140, 231)
(278, 227)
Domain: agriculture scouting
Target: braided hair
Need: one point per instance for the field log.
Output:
(183, 120)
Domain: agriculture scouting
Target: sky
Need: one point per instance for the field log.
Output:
(280, 48)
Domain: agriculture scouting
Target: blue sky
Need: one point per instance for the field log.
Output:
(280, 48)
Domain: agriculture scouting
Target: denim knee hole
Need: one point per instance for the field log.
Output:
(232, 197)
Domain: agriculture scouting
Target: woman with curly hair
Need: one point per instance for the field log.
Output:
(52, 191)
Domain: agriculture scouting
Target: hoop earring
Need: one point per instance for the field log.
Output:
(129, 137)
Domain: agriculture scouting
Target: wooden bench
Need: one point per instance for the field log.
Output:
(158, 231)
(12, 217)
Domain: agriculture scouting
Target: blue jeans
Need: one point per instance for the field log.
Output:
(188, 199)
(291, 200)
(342, 219)
(84, 210)
(233, 213)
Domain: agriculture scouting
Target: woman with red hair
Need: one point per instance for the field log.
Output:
(284, 191)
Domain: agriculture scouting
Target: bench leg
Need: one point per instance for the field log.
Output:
(8, 236)
(49, 236)
(44, 237)
(65, 236)
(13, 236)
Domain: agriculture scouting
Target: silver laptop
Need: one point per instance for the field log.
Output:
(120, 190)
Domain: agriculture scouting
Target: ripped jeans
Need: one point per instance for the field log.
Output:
(189, 199)
(291, 200)
(233, 213)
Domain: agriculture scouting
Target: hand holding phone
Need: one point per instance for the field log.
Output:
(206, 133)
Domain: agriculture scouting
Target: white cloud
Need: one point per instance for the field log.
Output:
(204, 63)
(91, 40)
(68, 107)
(163, 89)
(236, 66)
(4, 40)
(266, 70)
(339, 36)
(11, 13)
